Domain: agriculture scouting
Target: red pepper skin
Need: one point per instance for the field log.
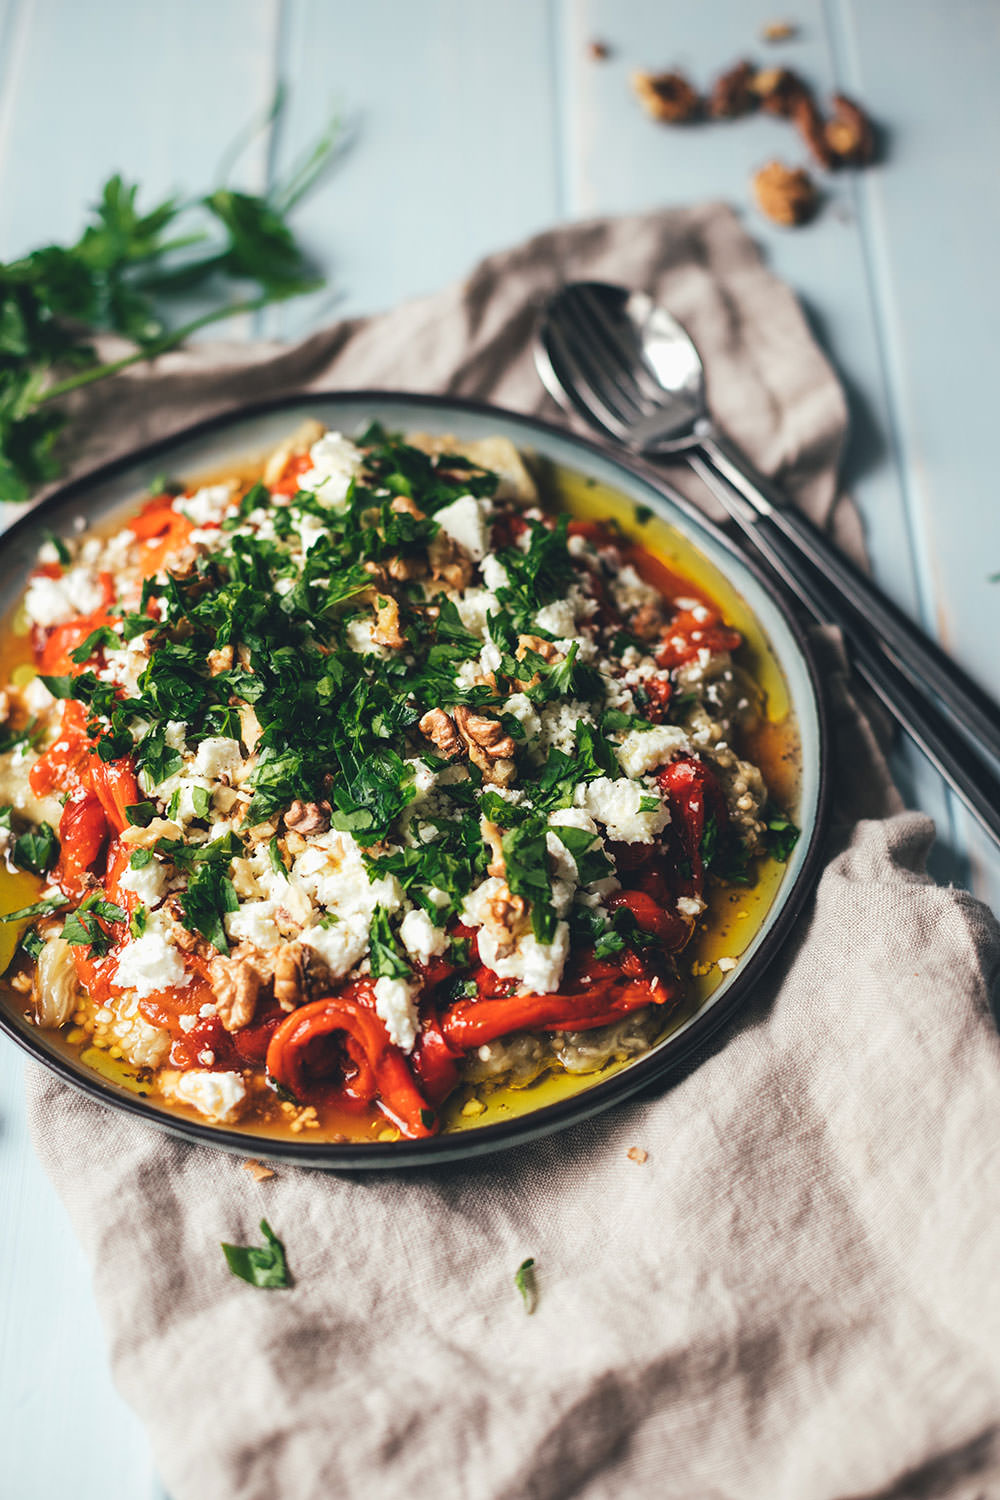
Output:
(694, 795)
(435, 1062)
(470, 1023)
(83, 832)
(381, 1072)
(60, 767)
(115, 787)
(694, 630)
(670, 927)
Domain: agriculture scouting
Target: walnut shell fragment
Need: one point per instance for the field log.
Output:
(667, 97)
(785, 194)
(779, 31)
(732, 95)
(850, 135)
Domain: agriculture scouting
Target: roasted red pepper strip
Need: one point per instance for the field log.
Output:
(435, 1062)
(362, 1034)
(116, 788)
(694, 630)
(470, 1023)
(61, 766)
(695, 795)
(83, 832)
(670, 927)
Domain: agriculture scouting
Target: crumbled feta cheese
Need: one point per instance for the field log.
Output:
(360, 637)
(494, 574)
(217, 758)
(690, 906)
(36, 697)
(53, 601)
(557, 618)
(643, 750)
(558, 725)
(421, 939)
(520, 706)
(253, 922)
(466, 520)
(175, 734)
(726, 964)
(537, 966)
(218, 1096)
(394, 1005)
(151, 962)
(617, 804)
(207, 504)
(631, 592)
(149, 882)
(340, 944)
(474, 606)
(335, 462)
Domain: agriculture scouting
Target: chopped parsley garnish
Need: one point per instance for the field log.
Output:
(526, 1283)
(261, 1266)
(84, 927)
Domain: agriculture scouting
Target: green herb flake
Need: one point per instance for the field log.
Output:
(37, 850)
(526, 1283)
(262, 1266)
(37, 909)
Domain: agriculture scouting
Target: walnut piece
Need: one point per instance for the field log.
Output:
(547, 650)
(732, 95)
(666, 97)
(849, 134)
(403, 505)
(308, 817)
(257, 1170)
(505, 919)
(220, 661)
(386, 631)
(809, 122)
(779, 91)
(236, 982)
(484, 731)
(450, 562)
(785, 194)
(145, 838)
(598, 51)
(637, 1154)
(493, 837)
(289, 975)
(778, 31)
(441, 732)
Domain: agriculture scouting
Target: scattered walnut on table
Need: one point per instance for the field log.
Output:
(779, 31)
(785, 194)
(850, 135)
(637, 1154)
(667, 97)
(732, 95)
(811, 127)
(779, 91)
(598, 51)
(257, 1170)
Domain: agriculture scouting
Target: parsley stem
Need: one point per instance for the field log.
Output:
(167, 342)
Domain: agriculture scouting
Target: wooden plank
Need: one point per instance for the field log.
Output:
(54, 1367)
(619, 160)
(451, 112)
(156, 92)
(931, 221)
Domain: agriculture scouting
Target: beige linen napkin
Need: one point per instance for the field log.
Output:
(792, 1298)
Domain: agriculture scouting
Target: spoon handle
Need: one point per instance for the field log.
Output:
(916, 712)
(911, 651)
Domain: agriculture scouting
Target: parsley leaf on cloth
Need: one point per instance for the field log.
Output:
(263, 1266)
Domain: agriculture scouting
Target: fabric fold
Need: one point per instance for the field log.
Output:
(792, 1297)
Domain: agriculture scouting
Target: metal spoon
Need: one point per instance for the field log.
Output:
(628, 367)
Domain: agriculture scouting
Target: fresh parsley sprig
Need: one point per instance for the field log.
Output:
(119, 277)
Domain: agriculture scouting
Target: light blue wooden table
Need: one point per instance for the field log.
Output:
(476, 123)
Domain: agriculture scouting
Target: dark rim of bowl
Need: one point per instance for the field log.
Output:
(667, 1056)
